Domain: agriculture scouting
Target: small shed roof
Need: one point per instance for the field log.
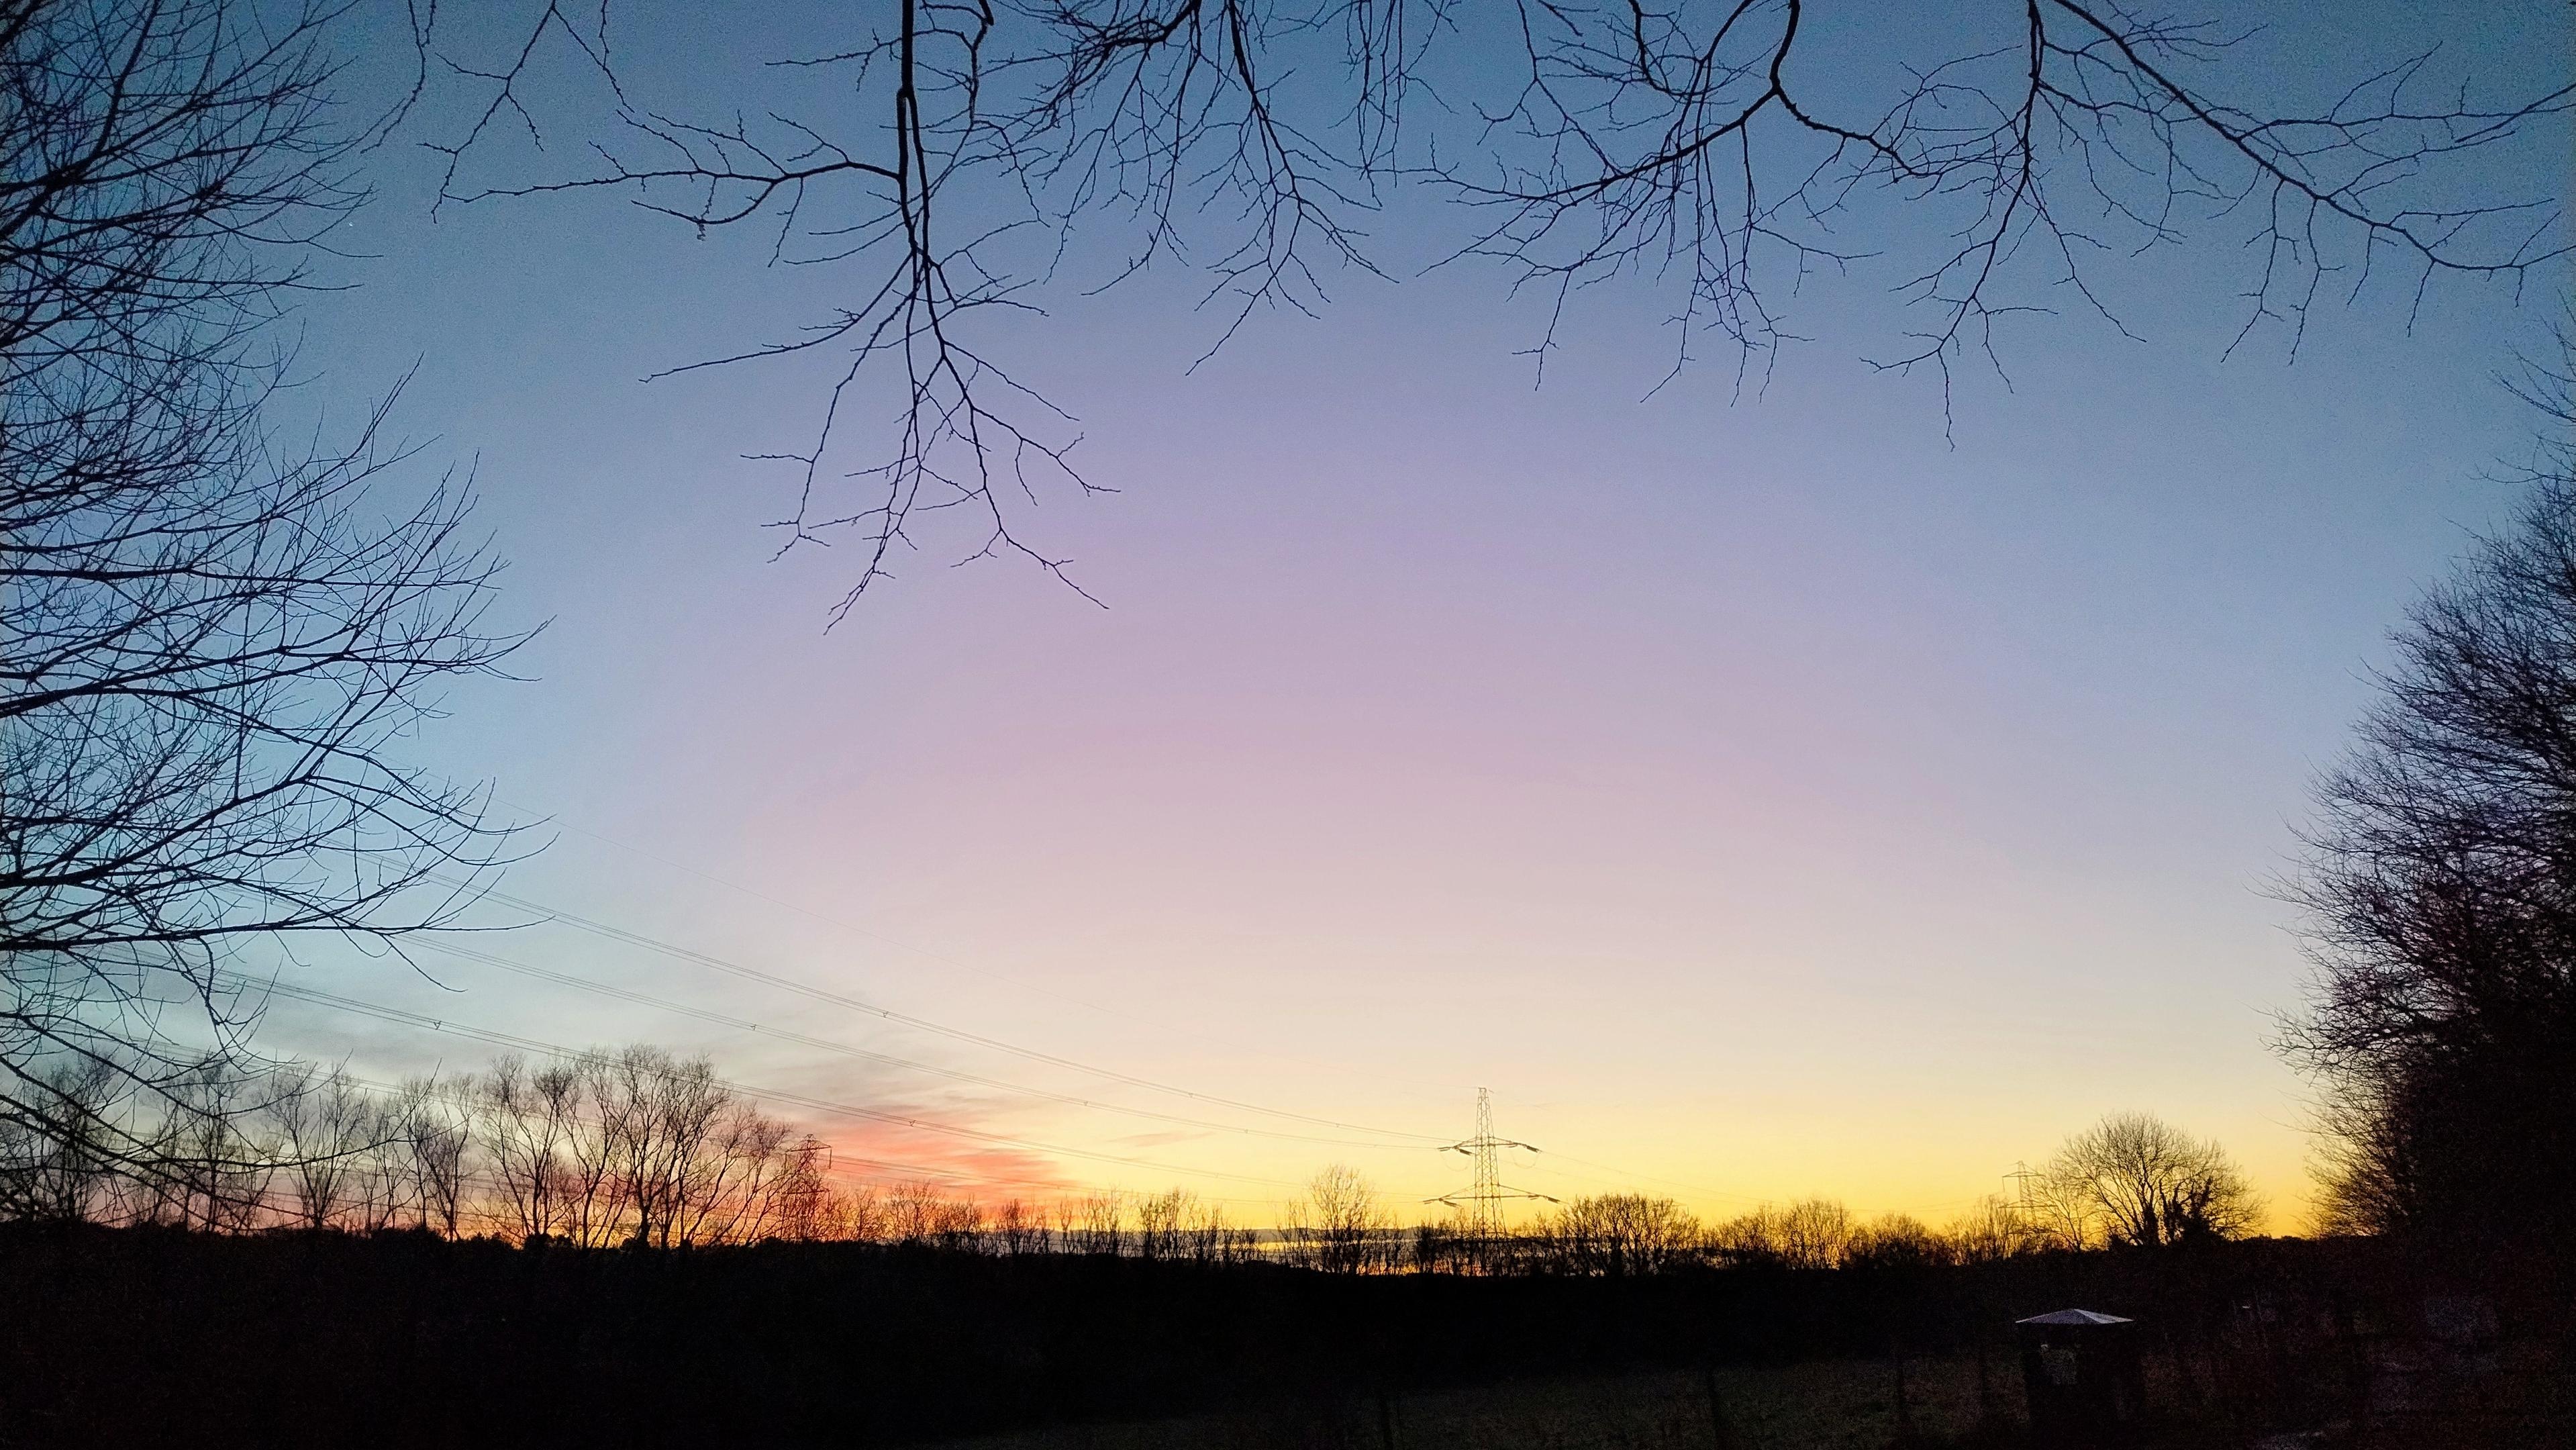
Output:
(2075, 1316)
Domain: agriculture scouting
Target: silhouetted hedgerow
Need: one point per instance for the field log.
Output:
(119, 1336)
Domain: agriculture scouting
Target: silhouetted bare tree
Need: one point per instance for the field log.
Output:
(913, 1211)
(1721, 150)
(2135, 1180)
(213, 639)
(2442, 882)
(1748, 1239)
(205, 1167)
(327, 1124)
(626, 1147)
(860, 1215)
(530, 1119)
(957, 1224)
(434, 1122)
(666, 1153)
(1814, 1232)
(1020, 1228)
(1809, 1234)
(1341, 1226)
(1616, 1235)
(51, 1164)
(1159, 1222)
(1993, 1229)
(1209, 1238)
(1898, 1241)
(1092, 1224)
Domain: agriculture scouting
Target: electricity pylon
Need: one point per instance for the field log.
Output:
(2022, 1178)
(2025, 1205)
(1481, 1206)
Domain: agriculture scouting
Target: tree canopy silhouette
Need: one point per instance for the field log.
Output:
(212, 636)
(2136, 1181)
(2442, 884)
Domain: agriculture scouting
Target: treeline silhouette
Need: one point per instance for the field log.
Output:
(2441, 887)
(621, 1247)
(118, 1336)
(639, 1147)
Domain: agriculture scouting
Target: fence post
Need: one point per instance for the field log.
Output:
(1721, 1436)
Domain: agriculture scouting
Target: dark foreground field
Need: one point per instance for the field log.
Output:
(1818, 1405)
(134, 1337)
(1813, 1405)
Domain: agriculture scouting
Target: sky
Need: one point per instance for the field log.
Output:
(1762, 792)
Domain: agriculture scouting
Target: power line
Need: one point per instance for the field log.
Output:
(1700, 1190)
(824, 1105)
(919, 1170)
(1624, 1175)
(844, 924)
(745, 1024)
(715, 963)
(806, 911)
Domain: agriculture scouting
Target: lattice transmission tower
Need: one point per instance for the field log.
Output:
(1481, 1206)
(2026, 1199)
(2026, 1204)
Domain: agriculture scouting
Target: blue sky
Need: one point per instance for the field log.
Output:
(1766, 794)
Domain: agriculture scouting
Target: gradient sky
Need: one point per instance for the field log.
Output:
(1762, 797)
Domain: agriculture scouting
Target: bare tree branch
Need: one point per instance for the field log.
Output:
(1710, 147)
(213, 639)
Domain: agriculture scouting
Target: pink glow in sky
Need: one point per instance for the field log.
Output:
(1761, 797)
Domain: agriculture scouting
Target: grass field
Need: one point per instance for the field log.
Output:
(1833, 1405)
(2523, 1403)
